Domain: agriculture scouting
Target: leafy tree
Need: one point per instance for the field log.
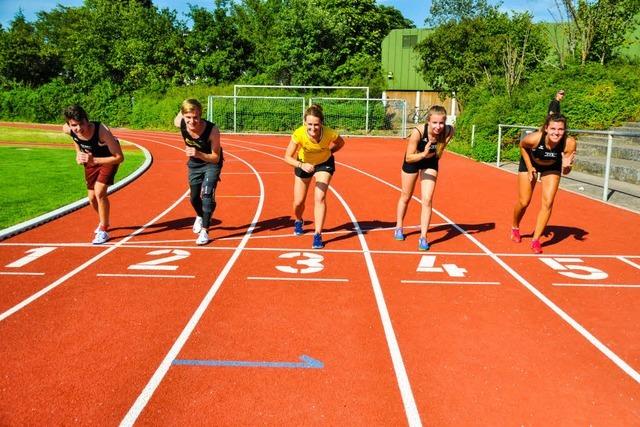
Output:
(23, 57)
(443, 11)
(459, 56)
(600, 26)
(214, 50)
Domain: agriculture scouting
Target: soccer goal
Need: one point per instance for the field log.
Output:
(256, 109)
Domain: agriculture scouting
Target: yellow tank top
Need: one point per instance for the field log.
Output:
(311, 151)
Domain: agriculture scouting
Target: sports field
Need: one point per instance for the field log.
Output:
(258, 328)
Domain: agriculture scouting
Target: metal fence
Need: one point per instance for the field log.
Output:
(610, 134)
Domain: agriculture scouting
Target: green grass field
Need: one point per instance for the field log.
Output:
(35, 180)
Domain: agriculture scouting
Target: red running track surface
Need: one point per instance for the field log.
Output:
(258, 328)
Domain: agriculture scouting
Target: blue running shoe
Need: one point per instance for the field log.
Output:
(317, 241)
(297, 227)
(398, 235)
(423, 245)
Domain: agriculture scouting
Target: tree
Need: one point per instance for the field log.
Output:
(459, 56)
(443, 11)
(600, 25)
(214, 50)
(23, 57)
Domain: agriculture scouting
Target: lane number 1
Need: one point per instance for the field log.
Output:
(34, 254)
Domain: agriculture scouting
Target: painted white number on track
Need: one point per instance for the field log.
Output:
(34, 254)
(559, 264)
(312, 261)
(160, 263)
(427, 263)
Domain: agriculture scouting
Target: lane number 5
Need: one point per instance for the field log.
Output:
(568, 268)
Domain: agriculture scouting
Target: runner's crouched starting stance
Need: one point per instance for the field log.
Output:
(548, 152)
(202, 139)
(100, 154)
(424, 149)
(310, 152)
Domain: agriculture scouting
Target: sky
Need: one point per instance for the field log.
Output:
(415, 10)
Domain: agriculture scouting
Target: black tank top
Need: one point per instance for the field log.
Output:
(92, 145)
(424, 139)
(541, 152)
(201, 143)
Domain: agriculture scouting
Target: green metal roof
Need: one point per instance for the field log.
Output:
(399, 60)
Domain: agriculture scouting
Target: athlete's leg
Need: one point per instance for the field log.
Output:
(525, 190)
(408, 182)
(320, 199)
(550, 183)
(196, 178)
(428, 179)
(211, 177)
(300, 188)
(102, 201)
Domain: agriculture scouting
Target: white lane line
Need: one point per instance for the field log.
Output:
(297, 279)
(167, 276)
(231, 196)
(144, 397)
(553, 306)
(16, 273)
(408, 400)
(447, 282)
(631, 263)
(595, 285)
(86, 264)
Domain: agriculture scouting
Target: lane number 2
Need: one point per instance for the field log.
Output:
(161, 263)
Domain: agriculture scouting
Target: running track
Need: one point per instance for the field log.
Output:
(257, 328)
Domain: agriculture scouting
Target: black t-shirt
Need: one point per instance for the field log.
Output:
(554, 107)
(201, 143)
(92, 145)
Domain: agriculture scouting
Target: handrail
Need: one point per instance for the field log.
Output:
(610, 134)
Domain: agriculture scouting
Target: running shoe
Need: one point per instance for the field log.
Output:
(297, 227)
(515, 235)
(203, 237)
(317, 241)
(197, 225)
(100, 237)
(97, 229)
(536, 247)
(398, 235)
(423, 245)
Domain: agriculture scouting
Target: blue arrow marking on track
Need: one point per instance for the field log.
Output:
(306, 363)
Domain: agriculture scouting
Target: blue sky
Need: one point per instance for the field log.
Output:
(414, 10)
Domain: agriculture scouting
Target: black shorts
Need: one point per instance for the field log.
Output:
(430, 163)
(328, 166)
(554, 167)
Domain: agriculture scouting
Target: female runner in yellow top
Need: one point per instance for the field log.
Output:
(310, 152)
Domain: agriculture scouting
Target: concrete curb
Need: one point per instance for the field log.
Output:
(64, 210)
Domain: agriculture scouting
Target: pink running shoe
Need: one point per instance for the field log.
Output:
(536, 247)
(515, 235)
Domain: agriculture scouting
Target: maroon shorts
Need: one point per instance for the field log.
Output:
(99, 173)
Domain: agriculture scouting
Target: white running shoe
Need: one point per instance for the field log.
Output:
(203, 237)
(97, 229)
(101, 237)
(197, 225)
